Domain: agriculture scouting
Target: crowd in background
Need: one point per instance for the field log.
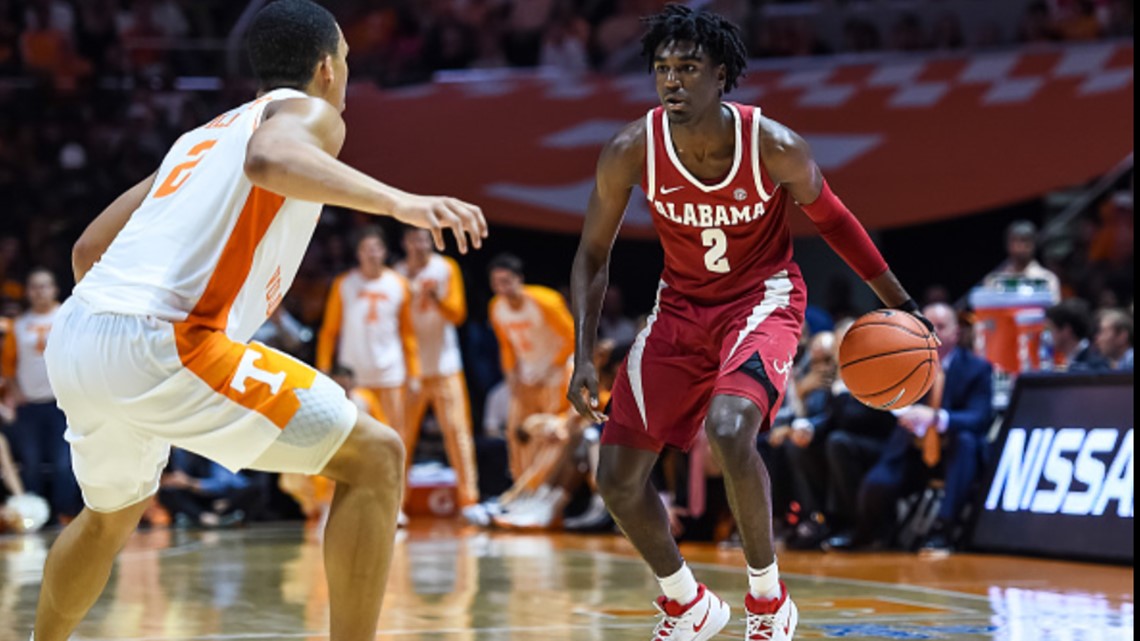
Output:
(92, 93)
(90, 99)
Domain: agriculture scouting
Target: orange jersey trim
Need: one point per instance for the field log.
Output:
(453, 307)
(236, 261)
(8, 360)
(206, 351)
(330, 326)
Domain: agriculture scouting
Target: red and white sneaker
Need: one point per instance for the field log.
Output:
(700, 620)
(771, 619)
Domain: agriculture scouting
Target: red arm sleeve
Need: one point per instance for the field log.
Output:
(845, 234)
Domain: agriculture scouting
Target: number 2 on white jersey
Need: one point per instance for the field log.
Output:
(179, 175)
(717, 243)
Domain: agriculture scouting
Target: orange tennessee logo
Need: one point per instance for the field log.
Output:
(373, 299)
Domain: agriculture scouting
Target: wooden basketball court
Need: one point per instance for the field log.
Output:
(452, 583)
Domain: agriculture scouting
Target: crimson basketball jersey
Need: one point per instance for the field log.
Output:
(720, 240)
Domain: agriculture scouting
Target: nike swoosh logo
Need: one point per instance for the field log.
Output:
(890, 403)
(668, 190)
(701, 626)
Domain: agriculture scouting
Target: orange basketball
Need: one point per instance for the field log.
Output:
(888, 359)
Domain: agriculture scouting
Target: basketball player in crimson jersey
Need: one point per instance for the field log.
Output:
(718, 348)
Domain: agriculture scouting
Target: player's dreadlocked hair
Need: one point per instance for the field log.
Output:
(719, 38)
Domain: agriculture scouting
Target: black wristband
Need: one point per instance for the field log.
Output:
(909, 306)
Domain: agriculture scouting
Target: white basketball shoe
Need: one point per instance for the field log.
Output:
(700, 620)
(771, 619)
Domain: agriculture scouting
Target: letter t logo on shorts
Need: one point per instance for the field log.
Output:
(246, 371)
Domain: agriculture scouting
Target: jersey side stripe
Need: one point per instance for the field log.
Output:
(236, 260)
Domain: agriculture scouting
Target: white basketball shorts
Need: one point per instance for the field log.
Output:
(133, 386)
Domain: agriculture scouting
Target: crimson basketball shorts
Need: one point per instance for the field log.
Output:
(689, 353)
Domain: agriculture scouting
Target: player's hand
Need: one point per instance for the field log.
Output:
(913, 309)
(583, 392)
(440, 213)
(926, 323)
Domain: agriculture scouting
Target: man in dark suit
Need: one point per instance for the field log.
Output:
(962, 424)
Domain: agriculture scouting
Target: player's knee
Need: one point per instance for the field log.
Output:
(109, 529)
(378, 457)
(616, 486)
(731, 431)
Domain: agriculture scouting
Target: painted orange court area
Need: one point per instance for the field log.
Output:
(450, 583)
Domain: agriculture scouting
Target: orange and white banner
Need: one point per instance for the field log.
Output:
(903, 139)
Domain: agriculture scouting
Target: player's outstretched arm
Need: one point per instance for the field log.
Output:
(293, 153)
(789, 159)
(619, 169)
(98, 236)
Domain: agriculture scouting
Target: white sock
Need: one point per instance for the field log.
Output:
(681, 587)
(765, 583)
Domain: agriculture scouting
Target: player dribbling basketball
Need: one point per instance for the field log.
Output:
(720, 343)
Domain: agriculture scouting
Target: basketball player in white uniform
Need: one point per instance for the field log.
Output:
(368, 328)
(439, 305)
(175, 276)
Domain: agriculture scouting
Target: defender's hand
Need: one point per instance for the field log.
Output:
(439, 213)
(583, 392)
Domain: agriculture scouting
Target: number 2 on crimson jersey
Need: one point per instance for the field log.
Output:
(181, 172)
(717, 243)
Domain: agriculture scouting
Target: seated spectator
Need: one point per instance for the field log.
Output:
(1114, 338)
(802, 441)
(536, 339)
(567, 457)
(1069, 326)
(839, 445)
(961, 426)
(201, 493)
(1021, 246)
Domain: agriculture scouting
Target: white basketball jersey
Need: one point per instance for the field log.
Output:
(372, 327)
(437, 337)
(24, 355)
(206, 246)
